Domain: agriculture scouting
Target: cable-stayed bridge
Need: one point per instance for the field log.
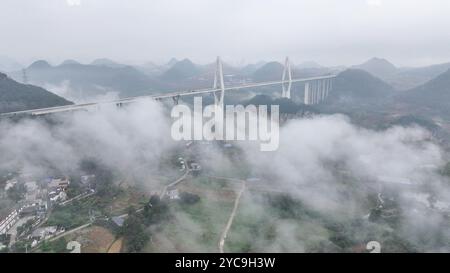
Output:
(316, 90)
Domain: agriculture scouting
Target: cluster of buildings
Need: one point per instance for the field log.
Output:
(36, 197)
(9, 221)
(44, 233)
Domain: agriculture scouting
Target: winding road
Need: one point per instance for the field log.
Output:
(223, 237)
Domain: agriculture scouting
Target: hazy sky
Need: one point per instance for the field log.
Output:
(407, 32)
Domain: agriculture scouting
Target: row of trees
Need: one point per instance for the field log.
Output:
(156, 211)
(134, 228)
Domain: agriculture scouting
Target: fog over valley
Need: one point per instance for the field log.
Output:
(140, 128)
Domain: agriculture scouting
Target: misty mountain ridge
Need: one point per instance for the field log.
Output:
(308, 64)
(402, 78)
(91, 80)
(355, 85)
(181, 70)
(409, 78)
(69, 62)
(40, 64)
(268, 72)
(286, 106)
(104, 76)
(249, 69)
(171, 62)
(15, 96)
(378, 67)
(107, 62)
(434, 93)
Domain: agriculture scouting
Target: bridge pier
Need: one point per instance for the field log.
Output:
(314, 94)
(307, 95)
(317, 91)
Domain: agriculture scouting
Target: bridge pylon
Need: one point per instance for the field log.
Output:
(286, 80)
(219, 84)
(176, 99)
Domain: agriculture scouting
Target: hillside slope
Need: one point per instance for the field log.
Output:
(15, 96)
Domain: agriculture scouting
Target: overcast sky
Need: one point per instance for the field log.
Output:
(331, 32)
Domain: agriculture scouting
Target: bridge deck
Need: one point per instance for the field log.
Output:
(68, 108)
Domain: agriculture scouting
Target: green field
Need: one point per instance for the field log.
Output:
(260, 227)
(192, 228)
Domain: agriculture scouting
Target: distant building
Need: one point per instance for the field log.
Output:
(61, 184)
(32, 191)
(57, 196)
(195, 166)
(31, 186)
(118, 220)
(10, 184)
(173, 194)
(9, 221)
(45, 232)
(33, 209)
(87, 179)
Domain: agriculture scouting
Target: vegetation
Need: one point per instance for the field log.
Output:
(17, 192)
(57, 246)
(155, 211)
(354, 85)
(15, 96)
(104, 177)
(70, 216)
(134, 232)
(287, 106)
(25, 227)
(446, 170)
(189, 198)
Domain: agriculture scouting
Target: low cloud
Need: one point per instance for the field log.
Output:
(330, 165)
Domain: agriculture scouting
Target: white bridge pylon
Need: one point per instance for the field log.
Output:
(219, 84)
(316, 91)
(287, 75)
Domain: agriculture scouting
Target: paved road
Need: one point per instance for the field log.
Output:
(62, 235)
(174, 183)
(163, 193)
(69, 232)
(78, 197)
(230, 220)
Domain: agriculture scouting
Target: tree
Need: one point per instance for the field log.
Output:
(134, 233)
(58, 246)
(155, 211)
(25, 227)
(20, 247)
(189, 198)
(17, 192)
